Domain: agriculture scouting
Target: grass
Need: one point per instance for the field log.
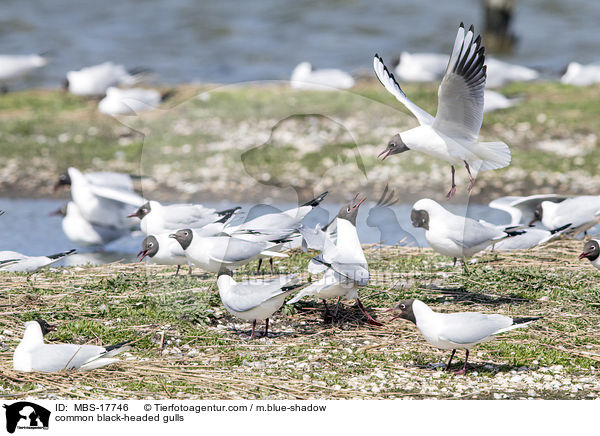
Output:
(187, 346)
(331, 138)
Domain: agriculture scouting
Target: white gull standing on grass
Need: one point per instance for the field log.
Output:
(130, 101)
(453, 235)
(581, 213)
(214, 253)
(32, 354)
(451, 331)
(13, 67)
(453, 133)
(581, 75)
(255, 300)
(304, 77)
(96, 79)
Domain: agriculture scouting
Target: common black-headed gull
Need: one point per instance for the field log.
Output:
(451, 331)
(82, 232)
(304, 77)
(581, 75)
(453, 134)
(255, 300)
(101, 204)
(13, 67)
(23, 263)
(214, 253)
(163, 250)
(582, 213)
(130, 101)
(343, 263)
(32, 354)
(453, 235)
(157, 218)
(278, 227)
(522, 209)
(528, 237)
(96, 79)
(591, 252)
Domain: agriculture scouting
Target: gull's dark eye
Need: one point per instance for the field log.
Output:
(347, 209)
(402, 307)
(150, 244)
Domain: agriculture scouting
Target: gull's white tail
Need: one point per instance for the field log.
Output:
(493, 155)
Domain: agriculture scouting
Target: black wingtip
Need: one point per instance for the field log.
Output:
(115, 346)
(226, 214)
(526, 319)
(317, 200)
(472, 29)
(560, 229)
(514, 232)
(62, 254)
(462, 25)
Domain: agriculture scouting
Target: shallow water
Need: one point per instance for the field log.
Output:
(234, 41)
(26, 227)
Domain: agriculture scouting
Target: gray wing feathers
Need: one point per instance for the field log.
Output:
(231, 250)
(251, 294)
(460, 96)
(469, 327)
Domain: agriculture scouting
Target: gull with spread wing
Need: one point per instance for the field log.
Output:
(453, 133)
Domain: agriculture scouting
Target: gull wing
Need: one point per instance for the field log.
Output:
(225, 249)
(471, 327)
(57, 357)
(388, 80)
(460, 95)
(181, 216)
(252, 293)
(118, 195)
(469, 233)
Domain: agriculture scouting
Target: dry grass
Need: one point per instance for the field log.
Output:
(187, 346)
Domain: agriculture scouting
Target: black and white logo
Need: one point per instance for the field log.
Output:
(26, 415)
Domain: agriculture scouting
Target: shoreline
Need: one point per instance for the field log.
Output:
(268, 141)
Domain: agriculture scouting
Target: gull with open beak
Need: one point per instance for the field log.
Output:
(453, 133)
(343, 262)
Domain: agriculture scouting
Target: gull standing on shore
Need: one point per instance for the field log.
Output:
(451, 331)
(453, 133)
(255, 300)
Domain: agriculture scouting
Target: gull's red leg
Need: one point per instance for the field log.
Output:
(471, 179)
(453, 187)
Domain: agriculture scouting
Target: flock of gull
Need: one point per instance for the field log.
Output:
(105, 206)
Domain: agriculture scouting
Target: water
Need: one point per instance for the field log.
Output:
(26, 227)
(236, 41)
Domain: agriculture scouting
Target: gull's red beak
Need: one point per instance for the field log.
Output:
(142, 253)
(132, 215)
(385, 154)
(360, 202)
(583, 255)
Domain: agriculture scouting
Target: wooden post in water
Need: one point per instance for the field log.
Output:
(498, 16)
